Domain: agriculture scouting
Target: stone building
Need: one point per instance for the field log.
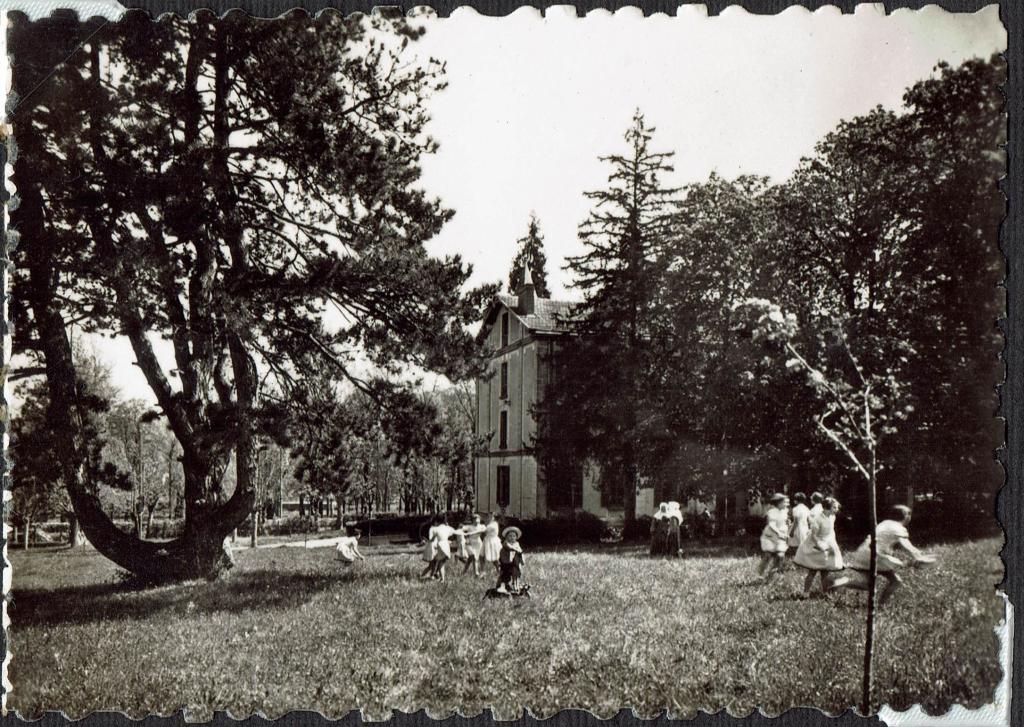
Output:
(522, 331)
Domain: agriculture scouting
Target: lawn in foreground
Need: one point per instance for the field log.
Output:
(292, 629)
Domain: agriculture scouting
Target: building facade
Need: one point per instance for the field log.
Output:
(522, 331)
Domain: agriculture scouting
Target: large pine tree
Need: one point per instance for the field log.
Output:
(530, 247)
(604, 394)
(224, 183)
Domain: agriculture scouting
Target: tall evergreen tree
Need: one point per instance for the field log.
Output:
(608, 392)
(530, 247)
(222, 183)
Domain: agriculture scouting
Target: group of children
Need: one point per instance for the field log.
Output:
(476, 543)
(812, 531)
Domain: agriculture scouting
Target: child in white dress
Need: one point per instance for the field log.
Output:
(819, 552)
(816, 498)
(430, 549)
(473, 540)
(443, 533)
(774, 537)
(891, 535)
(347, 550)
(491, 542)
(801, 515)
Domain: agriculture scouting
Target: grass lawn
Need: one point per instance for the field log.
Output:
(291, 629)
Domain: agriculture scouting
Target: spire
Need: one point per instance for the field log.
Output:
(527, 292)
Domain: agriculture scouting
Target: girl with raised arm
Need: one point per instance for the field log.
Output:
(891, 536)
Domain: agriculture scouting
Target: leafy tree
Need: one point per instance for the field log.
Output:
(612, 354)
(892, 227)
(530, 248)
(858, 408)
(141, 444)
(38, 478)
(36, 490)
(224, 183)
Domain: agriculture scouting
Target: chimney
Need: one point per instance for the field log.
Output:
(527, 293)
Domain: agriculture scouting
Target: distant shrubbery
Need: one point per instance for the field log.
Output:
(560, 529)
(639, 530)
(295, 525)
(166, 529)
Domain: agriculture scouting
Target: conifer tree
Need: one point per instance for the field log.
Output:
(607, 396)
(530, 247)
(223, 183)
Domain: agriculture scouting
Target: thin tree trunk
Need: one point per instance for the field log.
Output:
(28, 531)
(74, 531)
(869, 639)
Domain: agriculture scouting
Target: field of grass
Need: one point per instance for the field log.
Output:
(291, 629)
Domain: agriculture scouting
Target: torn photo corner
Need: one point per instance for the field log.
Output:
(542, 362)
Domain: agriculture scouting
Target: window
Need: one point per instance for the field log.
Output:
(504, 329)
(612, 493)
(504, 380)
(503, 431)
(504, 486)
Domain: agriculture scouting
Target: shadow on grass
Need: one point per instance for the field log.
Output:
(256, 590)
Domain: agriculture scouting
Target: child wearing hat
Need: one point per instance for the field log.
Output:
(510, 560)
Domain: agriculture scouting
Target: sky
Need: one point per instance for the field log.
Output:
(532, 102)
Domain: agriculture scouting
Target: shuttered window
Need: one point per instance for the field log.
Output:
(504, 486)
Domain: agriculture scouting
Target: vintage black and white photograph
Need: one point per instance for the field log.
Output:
(396, 362)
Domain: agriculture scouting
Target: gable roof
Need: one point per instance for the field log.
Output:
(549, 316)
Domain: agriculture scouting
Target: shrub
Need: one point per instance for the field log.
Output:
(292, 525)
(753, 525)
(560, 530)
(639, 531)
(166, 529)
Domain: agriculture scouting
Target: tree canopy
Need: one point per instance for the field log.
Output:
(247, 192)
(885, 238)
(530, 248)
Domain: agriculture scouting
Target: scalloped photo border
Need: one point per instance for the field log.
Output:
(996, 714)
